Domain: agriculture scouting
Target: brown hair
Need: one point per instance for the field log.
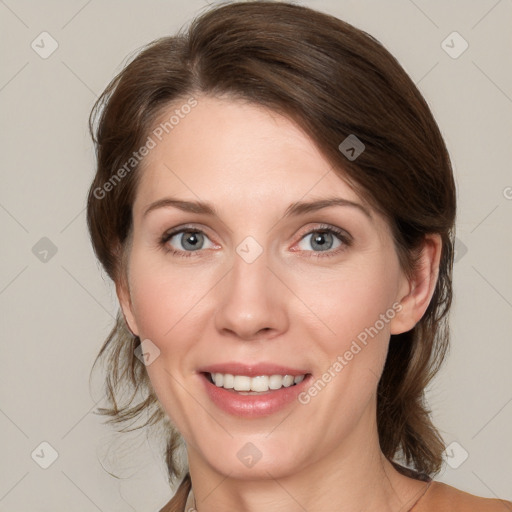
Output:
(333, 80)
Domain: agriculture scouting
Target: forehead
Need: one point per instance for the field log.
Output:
(229, 151)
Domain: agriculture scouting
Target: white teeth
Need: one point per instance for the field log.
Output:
(261, 383)
(242, 383)
(218, 378)
(229, 381)
(275, 382)
(287, 381)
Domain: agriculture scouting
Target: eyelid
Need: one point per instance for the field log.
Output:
(344, 237)
(326, 227)
(184, 227)
(163, 241)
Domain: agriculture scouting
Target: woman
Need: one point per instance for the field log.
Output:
(276, 206)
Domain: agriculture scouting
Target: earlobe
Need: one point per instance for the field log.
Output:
(123, 295)
(420, 287)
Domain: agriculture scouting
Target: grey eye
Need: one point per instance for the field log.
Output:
(189, 240)
(320, 240)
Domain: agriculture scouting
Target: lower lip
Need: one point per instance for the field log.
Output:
(253, 406)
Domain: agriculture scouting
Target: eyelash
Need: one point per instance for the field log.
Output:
(167, 236)
(343, 236)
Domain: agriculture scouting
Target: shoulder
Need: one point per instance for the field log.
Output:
(441, 497)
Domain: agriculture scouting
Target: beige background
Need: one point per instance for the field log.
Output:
(56, 313)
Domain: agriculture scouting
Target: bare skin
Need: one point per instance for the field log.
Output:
(295, 305)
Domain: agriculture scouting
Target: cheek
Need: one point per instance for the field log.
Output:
(166, 303)
(356, 308)
(350, 301)
(164, 297)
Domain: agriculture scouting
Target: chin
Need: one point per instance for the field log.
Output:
(253, 458)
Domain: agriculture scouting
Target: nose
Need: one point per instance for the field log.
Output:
(251, 301)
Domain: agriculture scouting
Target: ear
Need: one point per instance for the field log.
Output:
(125, 301)
(416, 292)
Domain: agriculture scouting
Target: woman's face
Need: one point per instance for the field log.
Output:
(249, 271)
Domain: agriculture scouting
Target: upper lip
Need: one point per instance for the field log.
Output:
(251, 370)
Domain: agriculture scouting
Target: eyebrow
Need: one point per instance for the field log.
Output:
(302, 207)
(186, 206)
(295, 209)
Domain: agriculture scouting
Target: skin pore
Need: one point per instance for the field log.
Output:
(299, 304)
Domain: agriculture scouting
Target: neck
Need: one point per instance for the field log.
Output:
(354, 476)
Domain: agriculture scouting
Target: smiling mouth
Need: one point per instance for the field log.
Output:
(246, 385)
